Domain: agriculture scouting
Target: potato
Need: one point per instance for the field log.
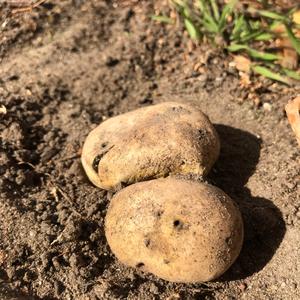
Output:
(151, 142)
(179, 230)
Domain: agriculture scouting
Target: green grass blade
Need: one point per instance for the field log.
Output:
(239, 24)
(252, 52)
(210, 24)
(255, 25)
(292, 74)
(192, 29)
(208, 20)
(272, 15)
(236, 47)
(215, 9)
(264, 36)
(201, 6)
(162, 19)
(204, 8)
(226, 12)
(186, 12)
(262, 55)
(270, 74)
(250, 36)
(294, 40)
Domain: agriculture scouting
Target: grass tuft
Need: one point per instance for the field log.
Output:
(247, 30)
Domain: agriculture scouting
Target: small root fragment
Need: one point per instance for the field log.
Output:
(27, 7)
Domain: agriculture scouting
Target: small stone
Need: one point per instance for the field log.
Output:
(58, 288)
(56, 264)
(232, 64)
(10, 272)
(39, 207)
(154, 289)
(243, 286)
(3, 109)
(215, 61)
(267, 107)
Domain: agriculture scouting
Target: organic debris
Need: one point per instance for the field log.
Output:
(292, 110)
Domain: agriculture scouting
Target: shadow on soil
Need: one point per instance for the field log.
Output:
(263, 222)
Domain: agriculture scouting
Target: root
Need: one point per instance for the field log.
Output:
(292, 110)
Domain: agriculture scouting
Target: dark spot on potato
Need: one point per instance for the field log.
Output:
(103, 145)
(202, 134)
(140, 265)
(177, 109)
(228, 240)
(177, 224)
(159, 213)
(97, 159)
(166, 261)
(147, 242)
(96, 162)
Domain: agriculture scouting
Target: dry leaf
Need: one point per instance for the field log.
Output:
(280, 28)
(245, 79)
(283, 43)
(296, 17)
(289, 55)
(242, 63)
(289, 59)
(292, 111)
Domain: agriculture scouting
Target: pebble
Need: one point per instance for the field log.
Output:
(154, 289)
(232, 64)
(267, 107)
(243, 286)
(202, 78)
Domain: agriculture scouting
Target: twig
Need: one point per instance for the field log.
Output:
(27, 8)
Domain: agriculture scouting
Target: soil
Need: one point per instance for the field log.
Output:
(67, 66)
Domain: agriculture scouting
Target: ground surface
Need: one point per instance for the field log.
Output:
(64, 69)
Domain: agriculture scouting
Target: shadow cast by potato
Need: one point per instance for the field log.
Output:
(263, 221)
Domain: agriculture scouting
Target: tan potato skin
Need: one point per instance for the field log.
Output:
(179, 230)
(151, 142)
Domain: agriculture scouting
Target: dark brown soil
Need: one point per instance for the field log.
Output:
(67, 66)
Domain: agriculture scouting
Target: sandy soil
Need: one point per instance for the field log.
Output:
(68, 66)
